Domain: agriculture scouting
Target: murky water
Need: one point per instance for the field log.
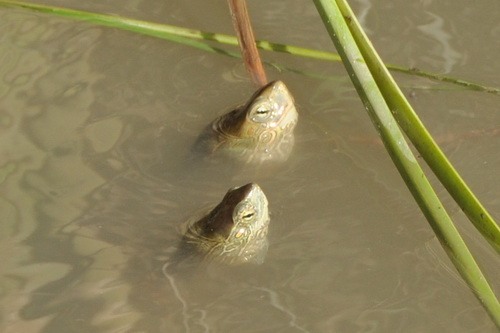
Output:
(96, 176)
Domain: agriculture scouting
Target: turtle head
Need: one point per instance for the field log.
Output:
(270, 109)
(235, 231)
(242, 212)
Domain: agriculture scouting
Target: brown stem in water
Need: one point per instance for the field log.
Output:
(241, 23)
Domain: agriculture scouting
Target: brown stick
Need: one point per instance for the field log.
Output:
(251, 58)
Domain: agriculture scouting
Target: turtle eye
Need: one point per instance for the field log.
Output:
(262, 112)
(244, 212)
(247, 216)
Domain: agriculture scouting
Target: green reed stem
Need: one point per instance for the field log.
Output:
(173, 33)
(420, 137)
(374, 97)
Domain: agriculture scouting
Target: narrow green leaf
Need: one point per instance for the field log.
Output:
(173, 33)
(400, 152)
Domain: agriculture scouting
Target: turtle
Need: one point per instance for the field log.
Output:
(235, 231)
(260, 130)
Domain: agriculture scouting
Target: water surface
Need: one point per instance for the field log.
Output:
(97, 176)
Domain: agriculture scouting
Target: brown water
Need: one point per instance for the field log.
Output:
(96, 176)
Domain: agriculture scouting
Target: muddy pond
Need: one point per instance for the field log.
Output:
(97, 175)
